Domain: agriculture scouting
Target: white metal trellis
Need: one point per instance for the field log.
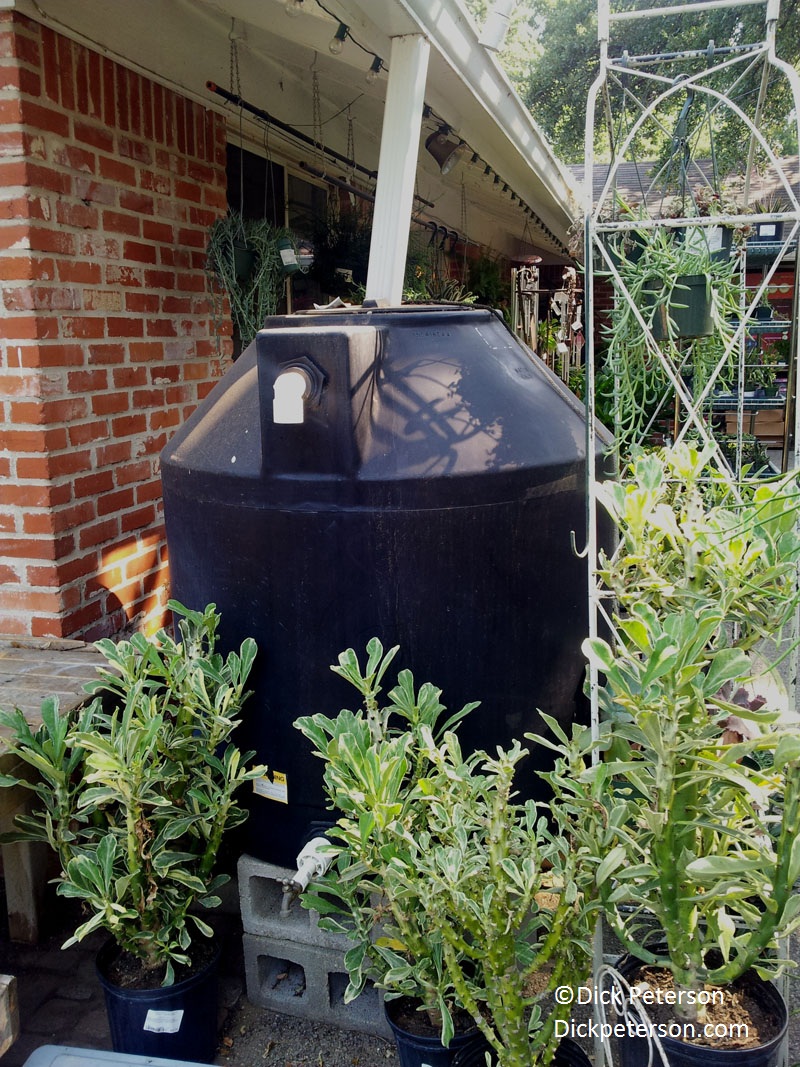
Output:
(643, 88)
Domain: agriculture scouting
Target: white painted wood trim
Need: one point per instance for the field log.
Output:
(397, 167)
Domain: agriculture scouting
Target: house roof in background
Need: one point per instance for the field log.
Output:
(637, 183)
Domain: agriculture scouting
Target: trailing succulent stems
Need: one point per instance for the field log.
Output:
(690, 822)
(452, 893)
(653, 265)
(255, 292)
(135, 794)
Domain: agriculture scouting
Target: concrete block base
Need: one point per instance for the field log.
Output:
(308, 982)
(291, 965)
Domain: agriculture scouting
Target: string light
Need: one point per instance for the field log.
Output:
(336, 46)
(374, 70)
(337, 41)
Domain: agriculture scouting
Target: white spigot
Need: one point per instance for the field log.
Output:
(289, 392)
(313, 861)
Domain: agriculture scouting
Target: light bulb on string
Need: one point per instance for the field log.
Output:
(337, 41)
(374, 70)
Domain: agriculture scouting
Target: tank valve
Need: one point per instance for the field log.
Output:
(313, 861)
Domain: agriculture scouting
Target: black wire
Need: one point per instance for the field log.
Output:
(429, 113)
(341, 22)
(308, 125)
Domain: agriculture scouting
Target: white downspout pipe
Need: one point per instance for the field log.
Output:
(397, 168)
(497, 23)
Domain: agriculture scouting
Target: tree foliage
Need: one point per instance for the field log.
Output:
(561, 59)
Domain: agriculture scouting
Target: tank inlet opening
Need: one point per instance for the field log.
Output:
(291, 389)
(313, 861)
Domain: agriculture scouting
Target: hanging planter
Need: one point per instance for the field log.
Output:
(289, 261)
(247, 261)
(621, 247)
(243, 260)
(682, 308)
(714, 241)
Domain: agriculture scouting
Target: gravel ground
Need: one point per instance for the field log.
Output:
(254, 1036)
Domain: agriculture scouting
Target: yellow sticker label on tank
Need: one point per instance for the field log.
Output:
(273, 788)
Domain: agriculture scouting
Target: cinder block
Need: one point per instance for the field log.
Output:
(9, 1012)
(308, 981)
(261, 899)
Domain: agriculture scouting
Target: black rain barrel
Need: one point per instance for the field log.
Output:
(428, 498)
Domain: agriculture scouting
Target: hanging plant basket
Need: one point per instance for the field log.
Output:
(243, 261)
(621, 247)
(247, 262)
(682, 310)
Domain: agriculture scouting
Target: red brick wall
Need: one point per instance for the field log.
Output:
(108, 182)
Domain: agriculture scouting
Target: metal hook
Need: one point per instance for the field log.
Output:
(573, 543)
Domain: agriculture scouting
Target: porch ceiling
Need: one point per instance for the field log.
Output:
(185, 43)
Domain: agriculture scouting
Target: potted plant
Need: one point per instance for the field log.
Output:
(685, 299)
(134, 795)
(763, 310)
(691, 820)
(761, 370)
(454, 896)
(341, 251)
(247, 261)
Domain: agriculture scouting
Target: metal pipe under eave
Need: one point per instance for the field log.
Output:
(397, 168)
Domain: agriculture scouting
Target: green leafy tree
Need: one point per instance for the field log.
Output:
(561, 59)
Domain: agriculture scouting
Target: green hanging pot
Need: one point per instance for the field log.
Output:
(243, 260)
(684, 312)
(289, 261)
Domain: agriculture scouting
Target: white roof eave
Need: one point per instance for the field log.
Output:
(480, 103)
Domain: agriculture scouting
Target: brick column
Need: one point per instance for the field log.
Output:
(108, 183)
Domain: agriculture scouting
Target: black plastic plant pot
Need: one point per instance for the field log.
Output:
(688, 310)
(570, 1054)
(174, 1022)
(418, 1050)
(243, 260)
(717, 240)
(720, 242)
(633, 1050)
(621, 246)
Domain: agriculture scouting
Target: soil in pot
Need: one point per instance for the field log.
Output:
(178, 1021)
(747, 1019)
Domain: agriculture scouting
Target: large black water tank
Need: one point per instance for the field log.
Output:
(427, 498)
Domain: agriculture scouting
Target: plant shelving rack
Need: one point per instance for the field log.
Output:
(632, 98)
